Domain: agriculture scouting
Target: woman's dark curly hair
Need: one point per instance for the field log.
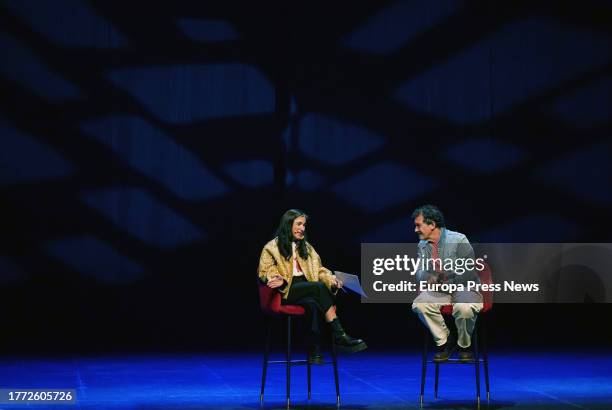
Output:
(284, 235)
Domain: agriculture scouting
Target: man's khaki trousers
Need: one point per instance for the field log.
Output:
(466, 306)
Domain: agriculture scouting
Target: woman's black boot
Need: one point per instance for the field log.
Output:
(345, 343)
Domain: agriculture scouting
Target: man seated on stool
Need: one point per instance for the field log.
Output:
(290, 264)
(438, 243)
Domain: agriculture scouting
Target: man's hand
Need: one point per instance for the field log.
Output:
(275, 282)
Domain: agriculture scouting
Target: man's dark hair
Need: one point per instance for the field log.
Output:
(284, 234)
(431, 214)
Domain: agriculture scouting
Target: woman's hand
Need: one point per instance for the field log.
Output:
(275, 282)
(338, 283)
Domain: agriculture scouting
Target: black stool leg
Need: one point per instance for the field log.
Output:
(335, 365)
(265, 359)
(437, 378)
(477, 366)
(424, 367)
(485, 356)
(308, 370)
(288, 360)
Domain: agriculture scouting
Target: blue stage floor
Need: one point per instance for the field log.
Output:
(370, 380)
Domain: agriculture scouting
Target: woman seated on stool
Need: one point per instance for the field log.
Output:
(290, 264)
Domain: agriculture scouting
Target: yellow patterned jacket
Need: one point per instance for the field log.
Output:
(272, 262)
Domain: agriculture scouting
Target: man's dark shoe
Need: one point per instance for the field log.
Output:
(343, 342)
(445, 351)
(465, 354)
(314, 355)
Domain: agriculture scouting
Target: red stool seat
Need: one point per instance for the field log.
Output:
(270, 301)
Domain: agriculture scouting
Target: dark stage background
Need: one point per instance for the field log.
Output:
(149, 149)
